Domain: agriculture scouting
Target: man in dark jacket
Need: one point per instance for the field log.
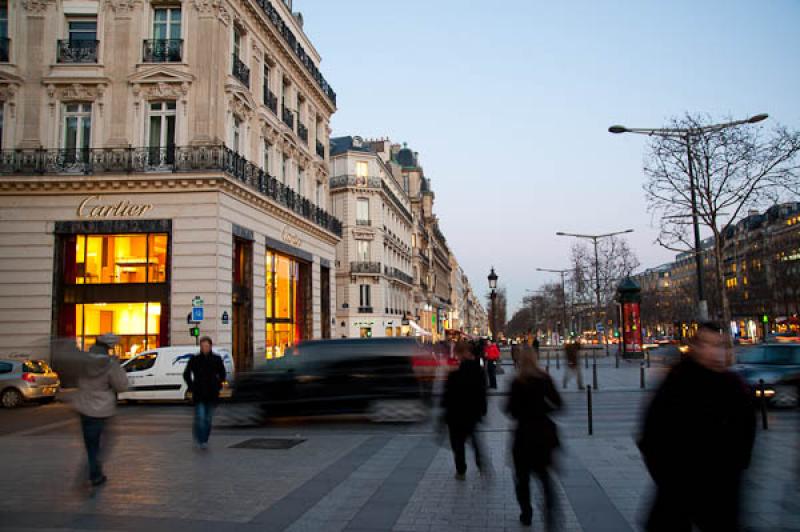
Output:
(204, 375)
(464, 403)
(697, 438)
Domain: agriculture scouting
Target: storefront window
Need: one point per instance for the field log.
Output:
(284, 313)
(111, 259)
(137, 324)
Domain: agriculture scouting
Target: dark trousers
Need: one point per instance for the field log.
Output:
(203, 414)
(92, 431)
(458, 441)
(714, 509)
(491, 369)
(523, 469)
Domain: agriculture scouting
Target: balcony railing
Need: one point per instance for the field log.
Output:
(340, 181)
(399, 275)
(288, 116)
(162, 50)
(320, 149)
(241, 72)
(77, 51)
(302, 132)
(174, 159)
(270, 100)
(363, 222)
(365, 310)
(365, 267)
(5, 49)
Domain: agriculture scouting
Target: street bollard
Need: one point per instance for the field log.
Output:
(647, 354)
(586, 359)
(763, 404)
(594, 375)
(589, 407)
(616, 360)
(641, 375)
(557, 358)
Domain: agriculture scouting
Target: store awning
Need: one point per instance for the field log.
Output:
(418, 331)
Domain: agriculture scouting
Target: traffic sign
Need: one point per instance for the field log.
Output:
(197, 302)
(197, 314)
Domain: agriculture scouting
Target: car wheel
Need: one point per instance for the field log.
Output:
(11, 398)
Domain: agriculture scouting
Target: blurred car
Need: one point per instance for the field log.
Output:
(778, 365)
(26, 380)
(390, 379)
(784, 338)
(157, 374)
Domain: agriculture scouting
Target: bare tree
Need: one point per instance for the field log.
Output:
(735, 169)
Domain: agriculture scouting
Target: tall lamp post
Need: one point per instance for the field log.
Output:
(563, 273)
(687, 135)
(493, 294)
(594, 239)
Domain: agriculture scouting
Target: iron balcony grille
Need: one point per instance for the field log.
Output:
(241, 72)
(5, 49)
(175, 159)
(288, 117)
(365, 267)
(270, 100)
(77, 51)
(320, 149)
(365, 310)
(363, 222)
(302, 132)
(162, 50)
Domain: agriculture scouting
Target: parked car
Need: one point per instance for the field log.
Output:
(26, 380)
(390, 379)
(157, 375)
(778, 365)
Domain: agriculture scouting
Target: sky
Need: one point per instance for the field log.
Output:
(509, 103)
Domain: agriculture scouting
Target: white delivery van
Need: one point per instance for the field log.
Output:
(158, 374)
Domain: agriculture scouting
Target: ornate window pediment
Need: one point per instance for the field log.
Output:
(159, 83)
(240, 101)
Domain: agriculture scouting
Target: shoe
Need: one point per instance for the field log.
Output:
(203, 446)
(461, 476)
(526, 518)
(99, 481)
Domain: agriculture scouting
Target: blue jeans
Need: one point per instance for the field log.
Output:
(92, 430)
(203, 413)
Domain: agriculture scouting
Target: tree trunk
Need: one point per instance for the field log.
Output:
(723, 295)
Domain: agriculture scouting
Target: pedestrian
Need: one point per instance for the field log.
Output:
(101, 379)
(532, 399)
(464, 404)
(515, 354)
(204, 375)
(696, 440)
(536, 343)
(572, 351)
(492, 356)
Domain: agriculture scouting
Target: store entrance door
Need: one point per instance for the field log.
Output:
(242, 299)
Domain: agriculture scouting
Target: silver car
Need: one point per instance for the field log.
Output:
(26, 380)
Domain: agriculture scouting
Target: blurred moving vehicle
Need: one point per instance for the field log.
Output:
(157, 374)
(27, 380)
(390, 379)
(779, 367)
(789, 337)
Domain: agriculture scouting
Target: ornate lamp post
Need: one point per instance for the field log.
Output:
(493, 287)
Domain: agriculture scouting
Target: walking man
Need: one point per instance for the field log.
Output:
(572, 352)
(697, 438)
(100, 380)
(464, 404)
(204, 375)
(492, 359)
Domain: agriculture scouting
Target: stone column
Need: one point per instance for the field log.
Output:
(32, 69)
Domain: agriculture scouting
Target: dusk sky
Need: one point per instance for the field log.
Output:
(508, 104)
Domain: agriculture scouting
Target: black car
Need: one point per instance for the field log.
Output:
(390, 379)
(778, 365)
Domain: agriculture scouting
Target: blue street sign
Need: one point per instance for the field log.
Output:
(197, 314)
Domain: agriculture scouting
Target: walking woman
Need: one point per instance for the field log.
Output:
(533, 397)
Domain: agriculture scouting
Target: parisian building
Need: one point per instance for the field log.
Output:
(159, 156)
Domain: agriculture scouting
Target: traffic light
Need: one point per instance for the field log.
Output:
(616, 334)
(194, 331)
(369, 333)
(765, 318)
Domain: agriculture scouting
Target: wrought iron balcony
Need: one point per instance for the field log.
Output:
(365, 310)
(162, 50)
(77, 51)
(173, 159)
(302, 132)
(288, 116)
(241, 72)
(270, 100)
(363, 222)
(401, 276)
(341, 181)
(365, 267)
(320, 149)
(5, 49)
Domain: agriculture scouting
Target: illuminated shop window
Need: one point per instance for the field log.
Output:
(285, 291)
(137, 324)
(121, 259)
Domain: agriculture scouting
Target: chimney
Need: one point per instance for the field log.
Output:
(299, 18)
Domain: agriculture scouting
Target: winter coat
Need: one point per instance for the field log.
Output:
(699, 428)
(204, 375)
(530, 402)
(464, 399)
(572, 352)
(100, 381)
(492, 352)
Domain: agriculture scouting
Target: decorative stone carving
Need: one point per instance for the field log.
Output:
(8, 92)
(35, 6)
(224, 15)
(122, 7)
(206, 7)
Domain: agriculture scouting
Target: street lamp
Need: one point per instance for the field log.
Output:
(493, 287)
(687, 134)
(594, 239)
(563, 273)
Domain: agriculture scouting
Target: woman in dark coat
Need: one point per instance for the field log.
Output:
(533, 397)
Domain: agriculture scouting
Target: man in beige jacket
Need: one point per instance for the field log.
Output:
(100, 381)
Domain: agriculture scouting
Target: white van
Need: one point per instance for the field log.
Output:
(158, 374)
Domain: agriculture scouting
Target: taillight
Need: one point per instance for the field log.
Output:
(29, 377)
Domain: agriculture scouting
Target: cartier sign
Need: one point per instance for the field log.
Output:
(95, 207)
(291, 238)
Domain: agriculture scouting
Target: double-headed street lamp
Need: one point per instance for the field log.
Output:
(493, 287)
(563, 298)
(594, 239)
(688, 134)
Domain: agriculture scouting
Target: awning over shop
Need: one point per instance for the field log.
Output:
(418, 331)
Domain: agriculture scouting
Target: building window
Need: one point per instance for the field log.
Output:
(362, 250)
(364, 296)
(362, 211)
(361, 169)
(301, 175)
(236, 134)
(77, 130)
(237, 43)
(161, 135)
(82, 32)
(265, 159)
(284, 169)
(288, 305)
(2, 118)
(167, 23)
(5, 48)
